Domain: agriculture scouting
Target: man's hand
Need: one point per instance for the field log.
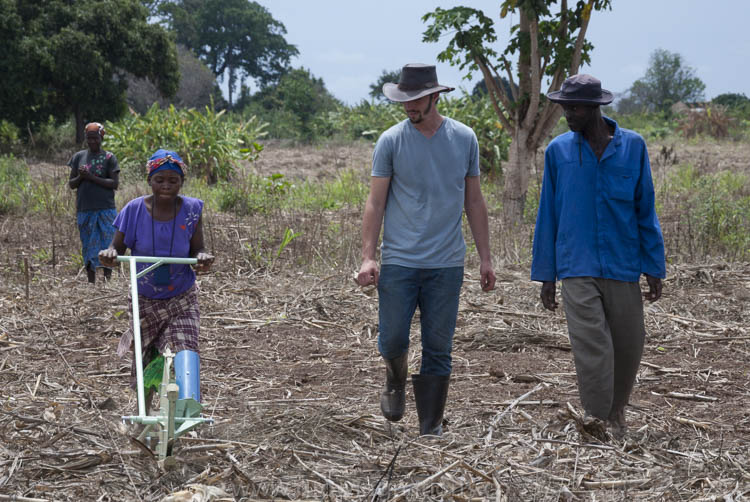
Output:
(108, 257)
(487, 279)
(654, 288)
(204, 262)
(548, 295)
(368, 273)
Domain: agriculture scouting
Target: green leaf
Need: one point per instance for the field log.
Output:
(152, 374)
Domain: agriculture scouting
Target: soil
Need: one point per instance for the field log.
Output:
(291, 376)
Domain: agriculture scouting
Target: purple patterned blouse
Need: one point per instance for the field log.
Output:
(136, 223)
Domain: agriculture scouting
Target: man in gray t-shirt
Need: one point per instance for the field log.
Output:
(425, 173)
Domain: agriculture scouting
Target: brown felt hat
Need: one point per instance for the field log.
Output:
(416, 80)
(581, 89)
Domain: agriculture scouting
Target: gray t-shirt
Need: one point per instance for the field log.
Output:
(90, 196)
(422, 222)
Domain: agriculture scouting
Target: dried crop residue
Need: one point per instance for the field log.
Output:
(291, 375)
(313, 162)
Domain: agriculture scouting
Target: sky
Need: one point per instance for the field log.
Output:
(348, 43)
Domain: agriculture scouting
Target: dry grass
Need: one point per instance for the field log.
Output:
(291, 376)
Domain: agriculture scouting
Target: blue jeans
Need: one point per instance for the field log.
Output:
(436, 292)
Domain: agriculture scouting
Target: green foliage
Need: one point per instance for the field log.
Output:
(210, 143)
(545, 45)
(289, 236)
(479, 114)
(293, 108)
(668, 80)
(69, 58)
(52, 137)
(732, 100)
(474, 34)
(15, 184)
(153, 374)
(9, 137)
(348, 189)
(365, 120)
(711, 213)
(737, 106)
(239, 37)
(650, 125)
(253, 194)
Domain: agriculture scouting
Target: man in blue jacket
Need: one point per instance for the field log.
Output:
(597, 231)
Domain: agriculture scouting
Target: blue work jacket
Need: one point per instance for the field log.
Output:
(597, 217)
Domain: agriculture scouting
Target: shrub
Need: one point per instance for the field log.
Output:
(52, 138)
(732, 100)
(293, 106)
(15, 184)
(706, 215)
(210, 142)
(9, 137)
(365, 120)
(650, 125)
(713, 121)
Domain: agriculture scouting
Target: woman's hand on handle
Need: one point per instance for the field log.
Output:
(108, 257)
(205, 261)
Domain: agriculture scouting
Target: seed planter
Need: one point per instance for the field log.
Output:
(175, 416)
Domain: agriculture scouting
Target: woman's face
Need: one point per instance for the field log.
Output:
(94, 140)
(165, 184)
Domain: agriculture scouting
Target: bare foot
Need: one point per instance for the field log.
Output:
(594, 427)
(617, 426)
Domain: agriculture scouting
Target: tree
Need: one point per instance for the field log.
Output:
(236, 37)
(548, 46)
(667, 81)
(376, 89)
(732, 100)
(74, 57)
(197, 86)
(296, 100)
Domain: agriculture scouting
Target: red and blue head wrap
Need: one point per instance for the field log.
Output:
(94, 127)
(163, 160)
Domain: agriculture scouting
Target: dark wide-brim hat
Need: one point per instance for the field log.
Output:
(416, 80)
(581, 89)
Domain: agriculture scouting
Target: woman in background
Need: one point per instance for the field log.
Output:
(94, 173)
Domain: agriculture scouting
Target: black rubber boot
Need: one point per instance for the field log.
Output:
(91, 274)
(393, 398)
(430, 392)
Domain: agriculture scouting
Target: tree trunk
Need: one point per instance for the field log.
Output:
(516, 172)
(230, 86)
(78, 124)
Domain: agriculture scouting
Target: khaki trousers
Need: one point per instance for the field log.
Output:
(607, 333)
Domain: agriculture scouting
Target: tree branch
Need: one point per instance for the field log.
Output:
(511, 81)
(507, 102)
(494, 92)
(550, 115)
(576, 60)
(523, 59)
(536, 77)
